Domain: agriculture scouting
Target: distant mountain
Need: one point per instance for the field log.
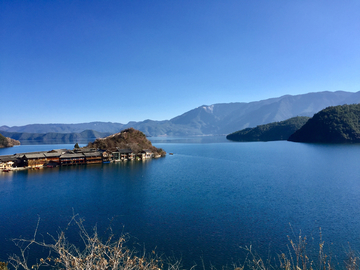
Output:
(276, 131)
(108, 127)
(225, 118)
(339, 124)
(51, 138)
(216, 119)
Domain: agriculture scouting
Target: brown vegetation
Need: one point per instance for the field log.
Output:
(127, 139)
(7, 142)
(96, 254)
(113, 254)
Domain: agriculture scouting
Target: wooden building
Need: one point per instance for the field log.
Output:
(146, 154)
(53, 157)
(71, 158)
(34, 160)
(93, 157)
(8, 162)
(123, 154)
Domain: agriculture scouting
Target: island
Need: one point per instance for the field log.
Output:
(275, 131)
(129, 144)
(335, 124)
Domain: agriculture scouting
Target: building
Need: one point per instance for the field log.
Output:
(145, 154)
(8, 162)
(71, 158)
(93, 157)
(34, 160)
(123, 154)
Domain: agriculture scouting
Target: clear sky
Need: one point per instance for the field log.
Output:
(119, 61)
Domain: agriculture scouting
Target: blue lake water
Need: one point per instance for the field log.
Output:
(203, 202)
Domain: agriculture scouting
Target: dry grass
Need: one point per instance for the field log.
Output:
(96, 254)
(298, 258)
(113, 254)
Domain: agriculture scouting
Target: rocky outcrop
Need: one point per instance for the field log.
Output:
(127, 139)
(12, 142)
(7, 142)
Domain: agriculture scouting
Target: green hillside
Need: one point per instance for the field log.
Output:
(270, 132)
(339, 124)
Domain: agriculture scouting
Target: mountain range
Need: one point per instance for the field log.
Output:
(216, 119)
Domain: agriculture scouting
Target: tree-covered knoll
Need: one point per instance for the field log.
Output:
(270, 132)
(337, 124)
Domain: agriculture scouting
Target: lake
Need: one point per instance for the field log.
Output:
(203, 202)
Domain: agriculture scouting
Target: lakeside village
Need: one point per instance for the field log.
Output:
(65, 157)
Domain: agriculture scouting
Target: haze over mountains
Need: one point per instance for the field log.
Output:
(216, 119)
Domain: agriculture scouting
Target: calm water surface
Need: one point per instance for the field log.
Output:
(203, 202)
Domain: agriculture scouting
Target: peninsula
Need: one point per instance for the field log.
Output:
(129, 144)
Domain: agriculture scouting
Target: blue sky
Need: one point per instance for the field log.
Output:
(121, 61)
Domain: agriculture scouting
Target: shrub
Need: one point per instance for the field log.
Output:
(95, 254)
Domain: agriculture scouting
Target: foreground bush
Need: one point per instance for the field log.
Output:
(3, 266)
(96, 254)
(113, 254)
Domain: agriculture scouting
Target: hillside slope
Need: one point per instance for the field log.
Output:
(339, 124)
(127, 139)
(270, 132)
(227, 118)
(7, 142)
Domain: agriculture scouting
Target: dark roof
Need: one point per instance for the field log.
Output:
(8, 158)
(124, 151)
(34, 155)
(93, 154)
(72, 155)
(53, 154)
(87, 150)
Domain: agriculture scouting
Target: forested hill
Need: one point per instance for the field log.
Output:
(339, 124)
(271, 132)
